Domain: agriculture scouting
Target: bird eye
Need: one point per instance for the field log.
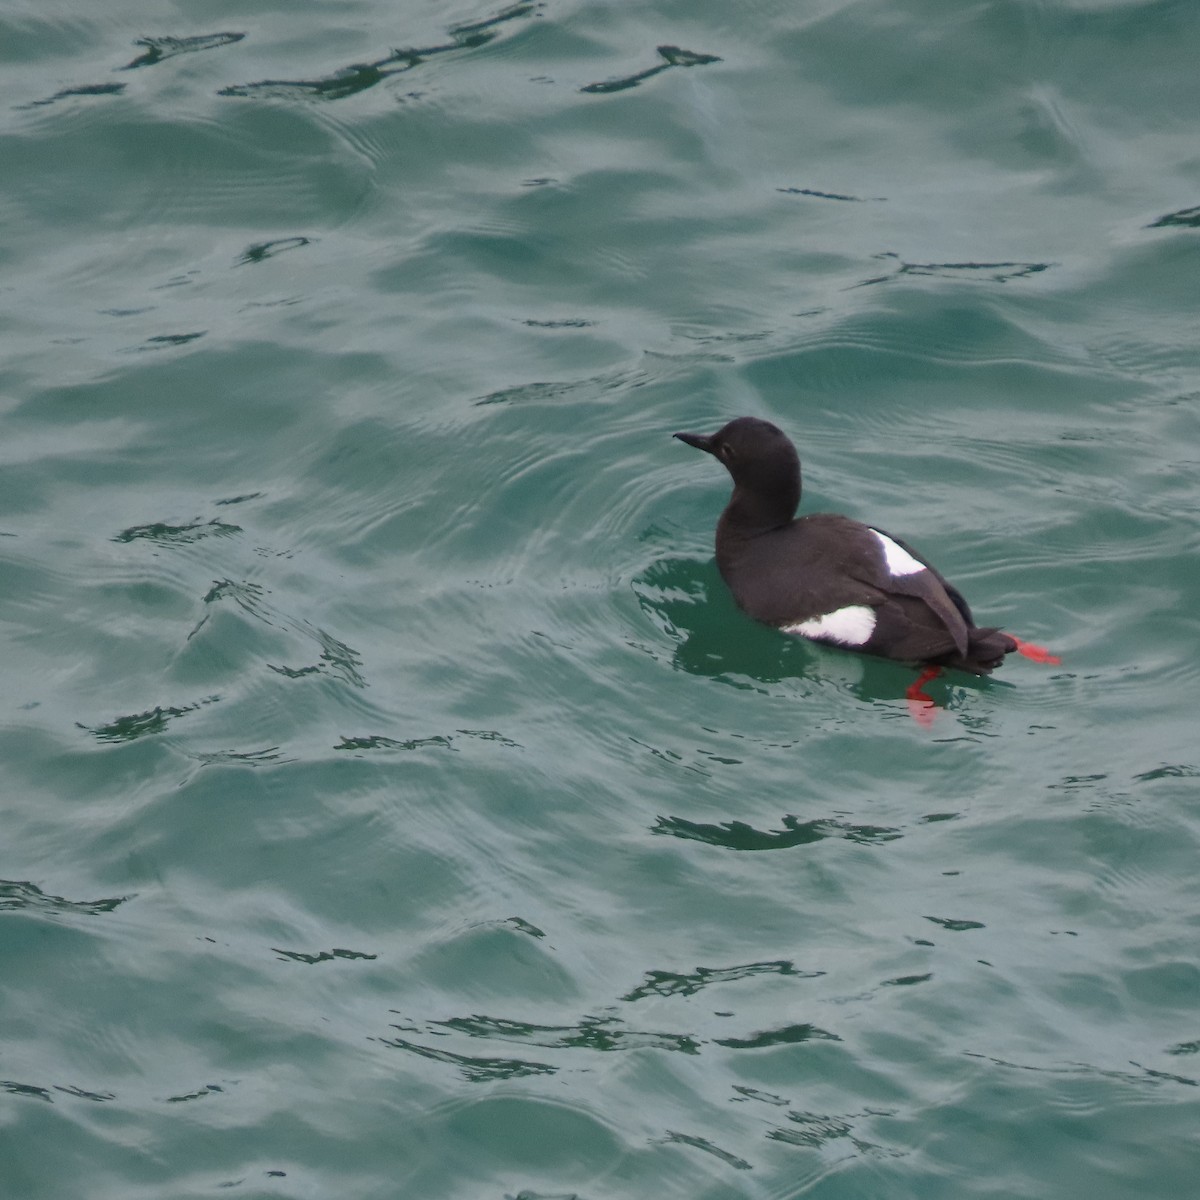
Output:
(726, 451)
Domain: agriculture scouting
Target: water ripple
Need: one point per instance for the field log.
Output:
(354, 78)
(21, 895)
(738, 835)
(158, 49)
(994, 272)
(669, 983)
(672, 56)
(1188, 218)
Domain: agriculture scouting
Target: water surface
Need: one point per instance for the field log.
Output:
(395, 802)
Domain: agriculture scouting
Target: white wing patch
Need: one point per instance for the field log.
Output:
(850, 626)
(899, 561)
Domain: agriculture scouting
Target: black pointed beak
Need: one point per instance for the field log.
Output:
(700, 440)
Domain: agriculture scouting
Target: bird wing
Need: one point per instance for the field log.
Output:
(791, 575)
(826, 562)
(915, 591)
(955, 595)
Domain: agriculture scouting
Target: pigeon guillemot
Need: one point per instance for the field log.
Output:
(832, 579)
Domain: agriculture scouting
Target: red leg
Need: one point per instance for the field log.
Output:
(1038, 654)
(921, 706)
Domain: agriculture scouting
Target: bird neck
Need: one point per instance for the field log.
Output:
(752, 511)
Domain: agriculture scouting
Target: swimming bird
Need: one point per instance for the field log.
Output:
(832, 579)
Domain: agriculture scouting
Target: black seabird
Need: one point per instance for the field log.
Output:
(832, 579)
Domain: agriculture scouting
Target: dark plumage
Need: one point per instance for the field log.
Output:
(827, 577)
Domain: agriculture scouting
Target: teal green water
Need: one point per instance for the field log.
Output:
(394, 803)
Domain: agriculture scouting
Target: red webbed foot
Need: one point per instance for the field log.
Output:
(1038, 654)
(921, 706)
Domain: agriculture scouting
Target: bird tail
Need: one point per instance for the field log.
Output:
(986, 649)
